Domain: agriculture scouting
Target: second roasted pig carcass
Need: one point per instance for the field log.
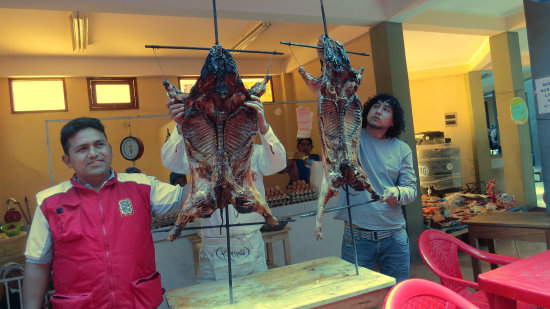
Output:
(218, 130)
(339, 122)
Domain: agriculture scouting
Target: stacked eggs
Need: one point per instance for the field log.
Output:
(274, 196)
(299, 191)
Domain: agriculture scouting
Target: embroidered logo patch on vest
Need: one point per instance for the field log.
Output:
(125, 207)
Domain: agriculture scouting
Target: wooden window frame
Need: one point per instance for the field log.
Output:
(92, 95)
(12, 103)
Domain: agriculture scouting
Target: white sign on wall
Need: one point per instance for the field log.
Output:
(542, 86)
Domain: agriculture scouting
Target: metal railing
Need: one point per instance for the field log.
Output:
(12, 282)
(11, 285)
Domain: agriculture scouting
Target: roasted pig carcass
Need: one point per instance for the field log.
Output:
(218, 130)
(339, 123)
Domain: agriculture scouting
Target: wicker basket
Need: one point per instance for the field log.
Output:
(12, 249)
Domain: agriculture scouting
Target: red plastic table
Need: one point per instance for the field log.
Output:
(527, 280)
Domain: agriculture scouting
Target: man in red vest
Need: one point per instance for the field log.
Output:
(92, 232)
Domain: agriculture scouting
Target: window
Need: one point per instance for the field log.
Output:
(37, 95)
(186, 83)
(111, 93)
(250, 81)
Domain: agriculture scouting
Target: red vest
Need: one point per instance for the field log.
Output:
(103, 253)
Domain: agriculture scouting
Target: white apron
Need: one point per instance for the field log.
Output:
(247, 256)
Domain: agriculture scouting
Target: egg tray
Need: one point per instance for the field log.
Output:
(164, 220)
(293, 198)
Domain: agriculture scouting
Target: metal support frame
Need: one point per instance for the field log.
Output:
(216, 40)
(324, 18)
(227, 225)
(348, 207)
(326, 34)
(351, 230)
(230, 274)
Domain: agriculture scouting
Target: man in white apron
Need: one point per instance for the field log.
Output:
(247, 245)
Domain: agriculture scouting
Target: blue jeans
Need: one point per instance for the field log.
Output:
(392, 253)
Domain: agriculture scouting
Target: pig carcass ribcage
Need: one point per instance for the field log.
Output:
(218, 130)
(339, 123)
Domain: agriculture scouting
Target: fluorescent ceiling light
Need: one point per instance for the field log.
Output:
(252, 35)
(79, 31)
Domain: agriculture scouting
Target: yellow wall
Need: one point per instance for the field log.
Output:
(24, 157)
(24, 160)
(433, 97)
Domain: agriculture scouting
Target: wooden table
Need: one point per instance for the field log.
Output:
(528, 226)
(527, 280)
(325, 283)
(268, 237)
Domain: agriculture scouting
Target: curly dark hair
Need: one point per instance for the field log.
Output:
(398, 118)
(74, 126)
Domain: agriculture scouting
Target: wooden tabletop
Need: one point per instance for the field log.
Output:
(303, 285)
(512, 219)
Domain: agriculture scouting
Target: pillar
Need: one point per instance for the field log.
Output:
(538, 23)
(391, 76)
(515, 139)
(482, 159)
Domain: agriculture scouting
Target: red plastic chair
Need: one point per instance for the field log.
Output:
(440, 253)
(420, 293)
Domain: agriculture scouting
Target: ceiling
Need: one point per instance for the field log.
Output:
(437, 33)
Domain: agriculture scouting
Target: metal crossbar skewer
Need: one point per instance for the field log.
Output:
(313, 213)
(208, 48)
(218, 226)
(319, 47)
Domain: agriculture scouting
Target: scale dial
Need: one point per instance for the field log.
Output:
(131, 148)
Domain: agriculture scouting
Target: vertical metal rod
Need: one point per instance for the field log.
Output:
(228, 256)
(324, 18)
(7, 293)
(20, 285)
(215, 21)
(351, 230)
(49, 152)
